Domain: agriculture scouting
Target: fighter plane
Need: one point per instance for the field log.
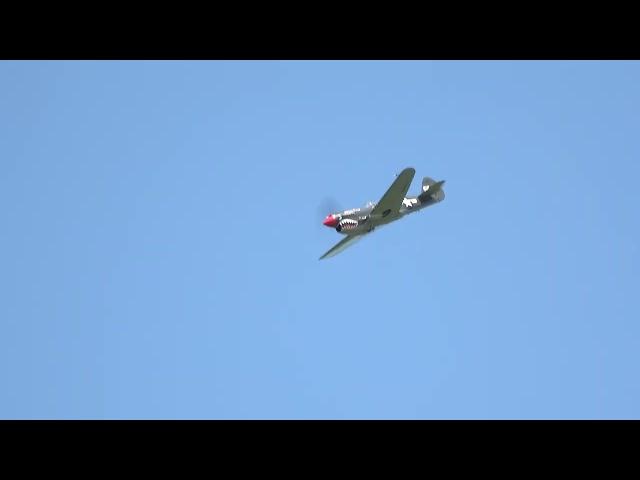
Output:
(394, 205)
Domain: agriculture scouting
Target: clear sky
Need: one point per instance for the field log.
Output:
(162, 223)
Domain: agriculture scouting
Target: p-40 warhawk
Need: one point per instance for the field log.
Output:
(393, 205)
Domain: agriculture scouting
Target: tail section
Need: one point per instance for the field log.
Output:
(431, 190)
(426, 183)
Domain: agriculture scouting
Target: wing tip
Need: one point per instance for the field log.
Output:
(342, 244)
(407, 170)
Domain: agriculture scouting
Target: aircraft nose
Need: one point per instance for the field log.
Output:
(330, 221)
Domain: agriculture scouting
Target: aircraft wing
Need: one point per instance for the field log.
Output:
(391, 201)
(341, 245)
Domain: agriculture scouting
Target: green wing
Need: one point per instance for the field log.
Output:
(391, 201)
(341, 245)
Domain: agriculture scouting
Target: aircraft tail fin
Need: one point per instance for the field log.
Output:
(431, 188)
(426, 183)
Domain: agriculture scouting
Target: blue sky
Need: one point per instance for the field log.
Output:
(162, 226)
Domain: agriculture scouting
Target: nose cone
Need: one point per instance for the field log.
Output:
(330, 221)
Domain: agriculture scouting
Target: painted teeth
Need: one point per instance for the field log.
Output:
(348, 224)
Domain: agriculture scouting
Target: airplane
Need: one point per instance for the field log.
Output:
(394, 205)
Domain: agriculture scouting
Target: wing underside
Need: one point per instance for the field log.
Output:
(391, 201)
(342, 245)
